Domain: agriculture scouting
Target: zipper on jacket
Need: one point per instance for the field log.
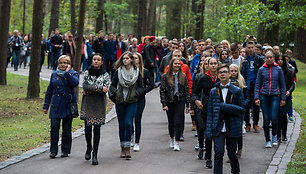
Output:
(270, 80)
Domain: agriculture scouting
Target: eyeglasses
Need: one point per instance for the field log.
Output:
(201, 44)
(223, 72)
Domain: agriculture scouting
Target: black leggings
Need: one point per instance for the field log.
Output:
(88, 135)
(201, 126)
(175, 116)
(282, 119)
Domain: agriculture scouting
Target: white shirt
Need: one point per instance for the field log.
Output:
(224, 94)
(237, 61)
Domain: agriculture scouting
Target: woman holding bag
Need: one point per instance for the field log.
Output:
(59, 97)
(95, 85)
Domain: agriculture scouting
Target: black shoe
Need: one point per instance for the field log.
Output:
(200, 155)
(64, 155)
(284, 138)
(209, 164)
(279, 139)
(88, 154)
(94, 159)
(52, 155)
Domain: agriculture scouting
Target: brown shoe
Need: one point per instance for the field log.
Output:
(128, 153)
(239, 153)
(256, 128)
(122, 155)
(228, 161)
(247, 128)
(193, 126)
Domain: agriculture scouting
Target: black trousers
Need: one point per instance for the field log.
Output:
(88, 137)
(253, 107)
(175, 116)
(66, 134)
(231, 146)
(201, 126)
(283, 119)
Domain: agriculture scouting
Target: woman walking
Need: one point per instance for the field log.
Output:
(238, 80)
(174, 95)
(59, 96)
(282, 112)
(148, 84)
(270, 93)
(95, 85)
(125, 88)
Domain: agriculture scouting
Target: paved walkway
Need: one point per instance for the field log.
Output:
(155, 155)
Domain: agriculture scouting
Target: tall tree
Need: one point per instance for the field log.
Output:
(261, 29)
(5, 8)
(300, 39)
(72, 12)
(79, 42)
(38, 18)
(23, 16)
(199, 19)
(152, 18)
(141, 18)
(173, 28)
(271, 34)
(99, 20)
(54, 15)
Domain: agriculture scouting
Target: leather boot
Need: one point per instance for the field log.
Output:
(193, 126)
(122, 155)
(128, 153)
(94, 158)
(87, 154)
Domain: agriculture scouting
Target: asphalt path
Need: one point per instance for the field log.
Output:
(155, 156)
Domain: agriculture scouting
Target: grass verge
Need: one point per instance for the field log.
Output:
(298, 161)
(23, 126)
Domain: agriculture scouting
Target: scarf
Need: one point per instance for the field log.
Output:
(127, 80)
(60, 72)
(95, 72)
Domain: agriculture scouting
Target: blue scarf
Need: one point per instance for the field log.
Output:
(60, 72)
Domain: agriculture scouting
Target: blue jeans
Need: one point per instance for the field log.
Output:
(16, 58)
(231, 146)
(140, 107)
(157, 79)
(269, 106)
(125, 115)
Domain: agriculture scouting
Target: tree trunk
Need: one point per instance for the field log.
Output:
(72, 11)
(99, 20)
(79, 42)
(152, 17)
(135, 11)
(38, 19)
(261, 29)
(141, 18)
(23, 16)
(173, 28)
(199, 20)
(5, 7)
(300, 40)
(271, 35)
(54, 15)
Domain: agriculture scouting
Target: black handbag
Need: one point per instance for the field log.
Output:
(73, 105)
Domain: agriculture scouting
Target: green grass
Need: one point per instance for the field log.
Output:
(298, 161)
(23, 126)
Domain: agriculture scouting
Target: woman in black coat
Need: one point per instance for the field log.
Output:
(148, 85)
(174, 95)
(282, 112)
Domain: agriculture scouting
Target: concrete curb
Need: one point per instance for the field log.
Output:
(28, 154)
(283, 155)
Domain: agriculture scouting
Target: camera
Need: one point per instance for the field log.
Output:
(251, 36)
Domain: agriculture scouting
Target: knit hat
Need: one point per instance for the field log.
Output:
(151, 38)
(144, 38)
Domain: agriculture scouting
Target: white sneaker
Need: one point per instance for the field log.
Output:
(243, 127)
(132, 141)
(136, 148)
(172, 143)
(176, 147)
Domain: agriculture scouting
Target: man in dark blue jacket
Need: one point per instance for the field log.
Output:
(109, 50)
(57, 44)
(255, 62)
(224, 119)
(98, 43)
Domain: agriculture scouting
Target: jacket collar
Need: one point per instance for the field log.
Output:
(266, 65)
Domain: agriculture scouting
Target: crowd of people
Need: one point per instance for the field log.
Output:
(222, 85)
